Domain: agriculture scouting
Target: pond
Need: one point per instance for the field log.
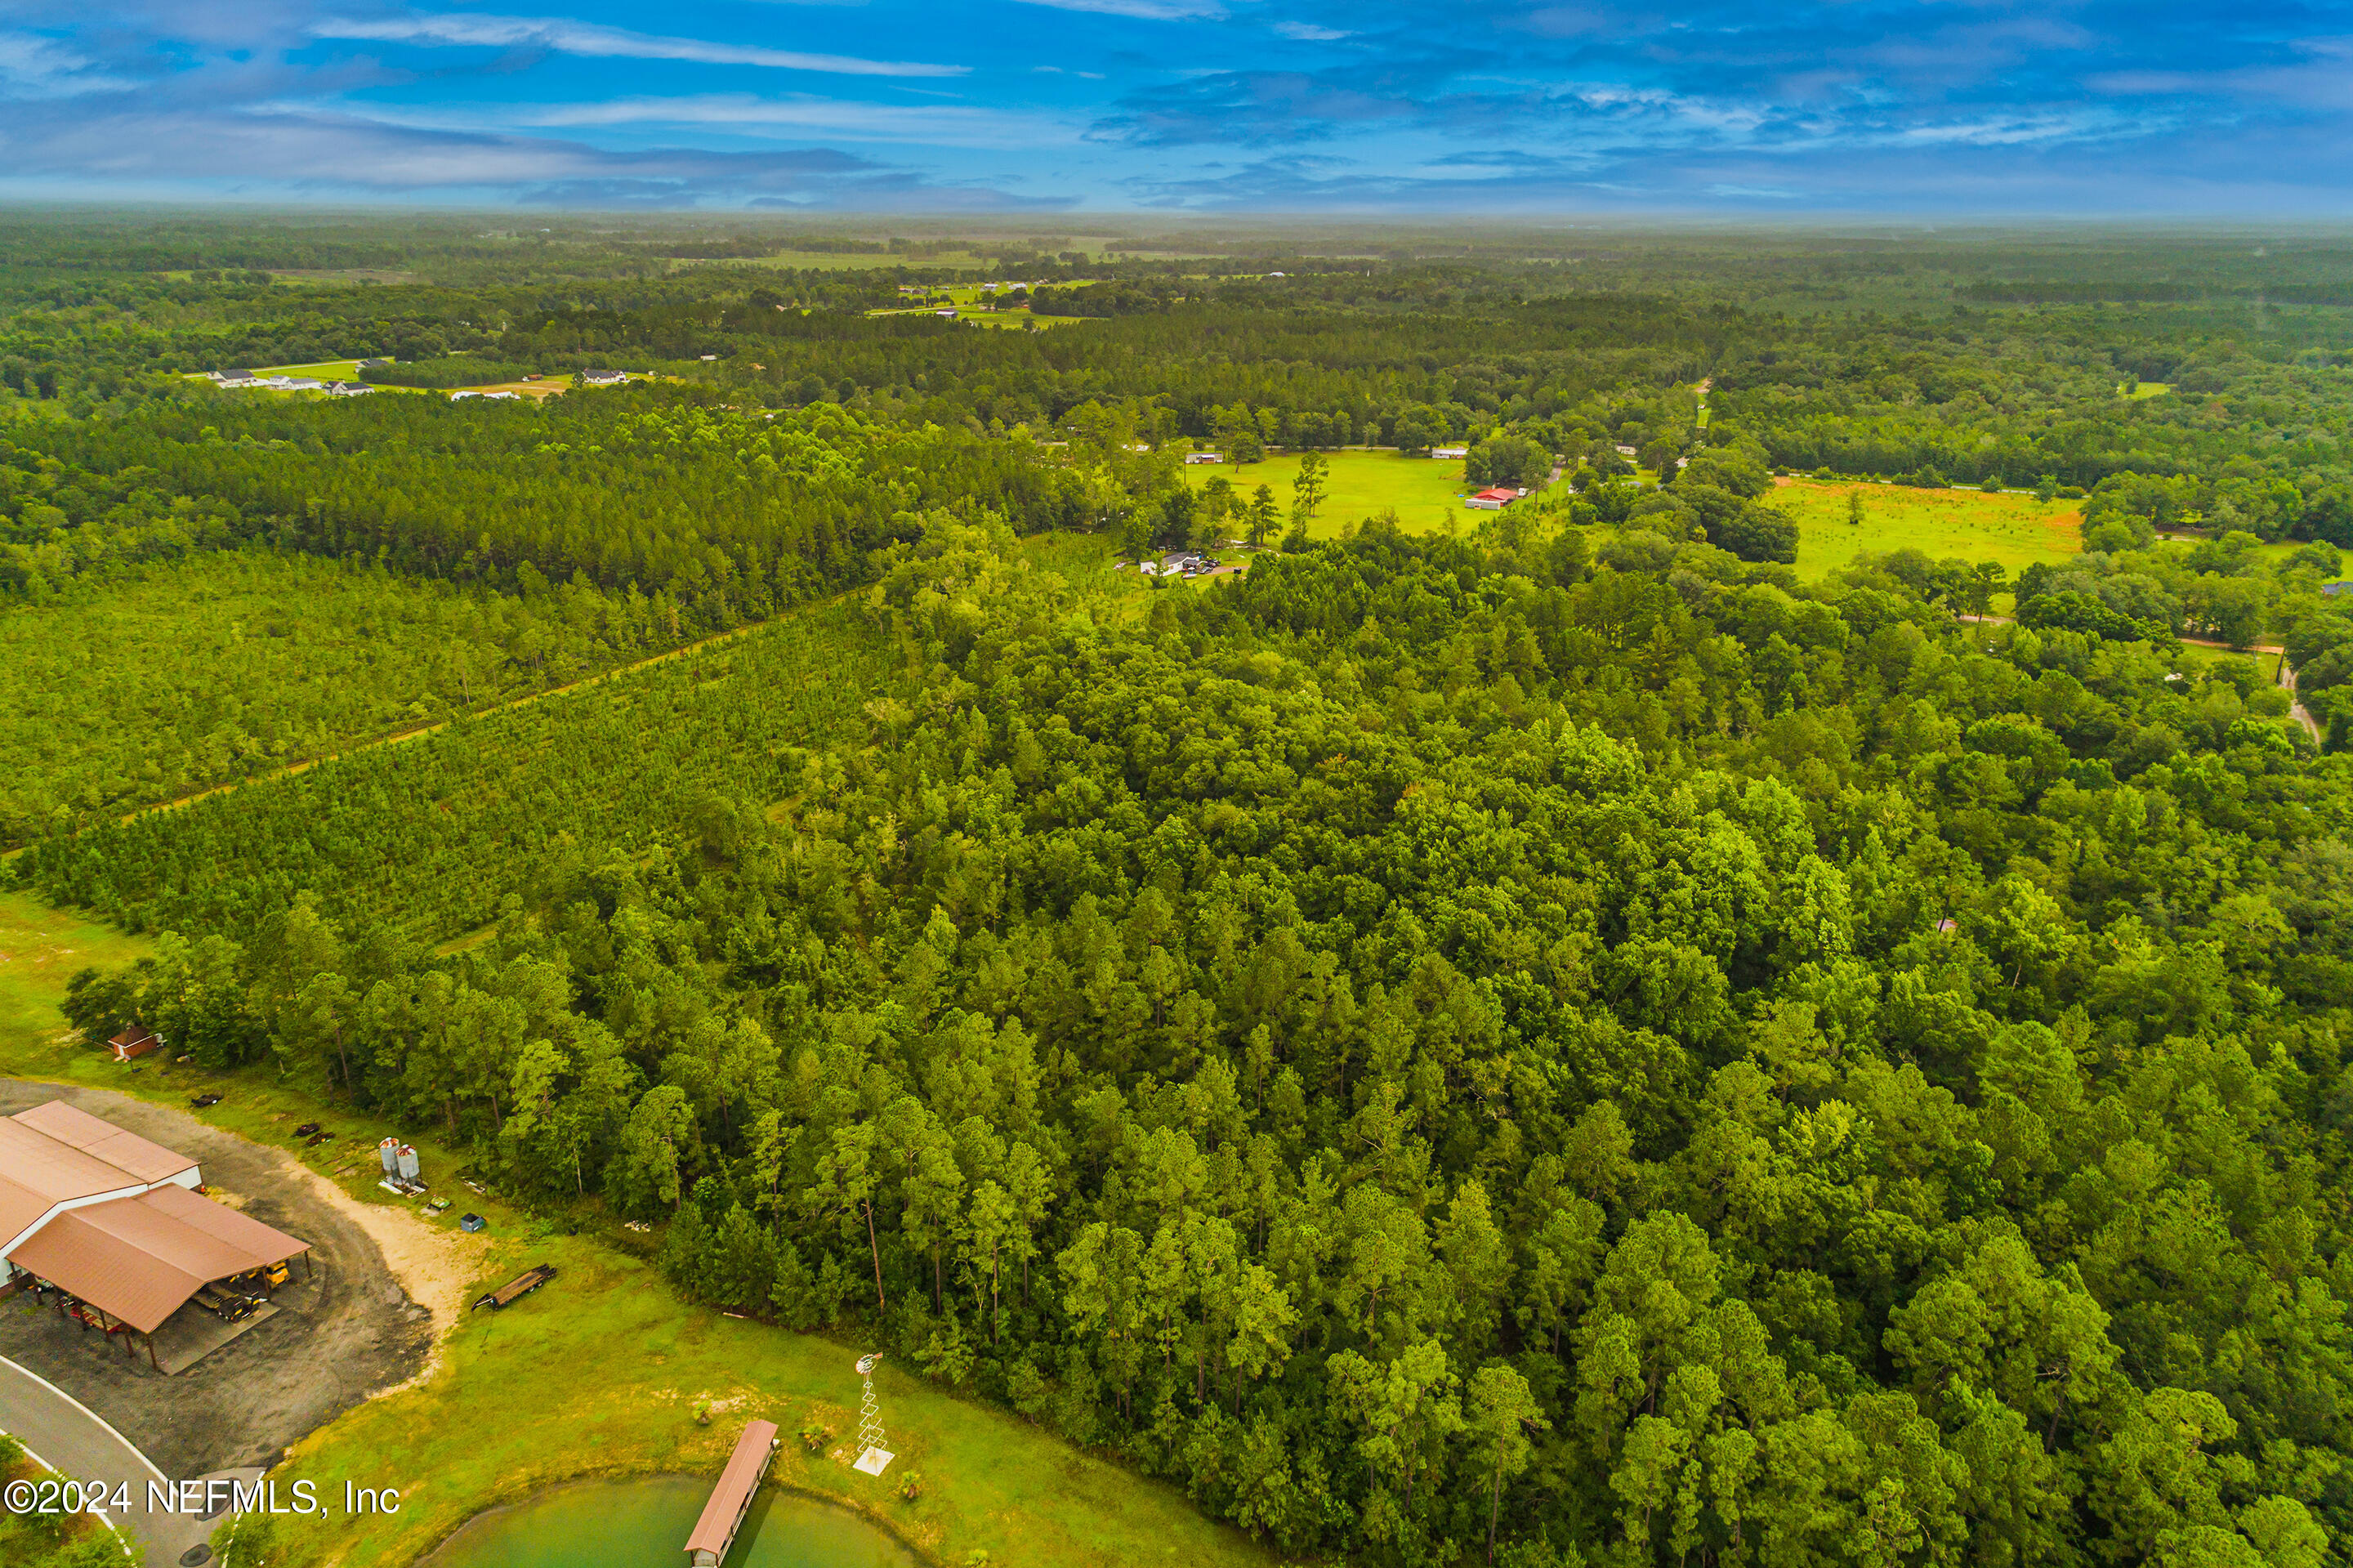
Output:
(644, 1524)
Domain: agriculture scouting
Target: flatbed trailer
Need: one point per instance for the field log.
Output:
(515, 1290)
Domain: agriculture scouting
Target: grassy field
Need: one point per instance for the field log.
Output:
(509, 1410)
(1427, 494)
(325, 370)
(835, 261)
(40, 949)
(2013, 528)
(2150, 389)
(970, 306)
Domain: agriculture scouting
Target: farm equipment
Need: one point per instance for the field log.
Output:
(515, 1290)
(260, 1280)
(438, 1207)
(224, 1304)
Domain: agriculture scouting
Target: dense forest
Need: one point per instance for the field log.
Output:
(1564, 1042)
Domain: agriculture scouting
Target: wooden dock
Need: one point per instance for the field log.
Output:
(731, 1499)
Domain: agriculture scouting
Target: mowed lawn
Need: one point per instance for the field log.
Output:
(1427, 493)
(2015, 530)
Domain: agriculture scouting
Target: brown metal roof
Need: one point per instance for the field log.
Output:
(139, 1259)
(55, 1169)
(125, 1151)
(20, 1206)
(736, 1484)
(261, 1244)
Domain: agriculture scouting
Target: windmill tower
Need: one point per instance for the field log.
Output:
(873, 1456)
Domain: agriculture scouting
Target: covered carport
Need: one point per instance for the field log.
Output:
(134, 1264)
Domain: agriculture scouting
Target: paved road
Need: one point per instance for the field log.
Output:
(69, 1439)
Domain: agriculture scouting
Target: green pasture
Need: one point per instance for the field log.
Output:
(833, 262)
(971, 306)
(2011, 527)
(1427, 494)
(40, 949)
(325, 370)
(2149, 389)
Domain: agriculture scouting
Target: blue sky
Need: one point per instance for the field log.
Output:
(1514, 108)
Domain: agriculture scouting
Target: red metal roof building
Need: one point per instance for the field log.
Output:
(731, 1499)
(111, 1218)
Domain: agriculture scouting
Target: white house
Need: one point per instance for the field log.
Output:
(348, 389)
(1450, 451)
(1191, 457)
(602, 377)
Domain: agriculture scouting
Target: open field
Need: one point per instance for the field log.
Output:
(1426, 493)
(835, 262)
(507, 1412)
(40, 949)
(325, 370)
(971, 306)
(2011, 528)
(2150, 389)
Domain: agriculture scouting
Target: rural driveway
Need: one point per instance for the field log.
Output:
(61, 1432)
(250, 1401)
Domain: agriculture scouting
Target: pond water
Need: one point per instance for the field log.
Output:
(644, 1524)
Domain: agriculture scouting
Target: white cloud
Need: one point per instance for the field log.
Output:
(34, 67)
(1147, 10)
(591, 40)
(796, 114)
(1308, 33)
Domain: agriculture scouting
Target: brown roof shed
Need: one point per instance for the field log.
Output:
(731, 1498)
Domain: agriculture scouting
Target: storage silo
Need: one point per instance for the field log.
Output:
(408, 1166)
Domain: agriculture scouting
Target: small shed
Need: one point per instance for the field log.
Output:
(731, 1499)
(134, 1042)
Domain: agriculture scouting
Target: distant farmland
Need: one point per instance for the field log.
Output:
(2013, 529)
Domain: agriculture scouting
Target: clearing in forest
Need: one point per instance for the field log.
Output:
(1426, 492)
(2011, 528)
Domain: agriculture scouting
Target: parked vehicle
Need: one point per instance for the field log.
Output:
(224, 1304)
(259, 1281)
(306, 1129)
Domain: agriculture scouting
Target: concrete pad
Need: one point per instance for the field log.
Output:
(191, 1334)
